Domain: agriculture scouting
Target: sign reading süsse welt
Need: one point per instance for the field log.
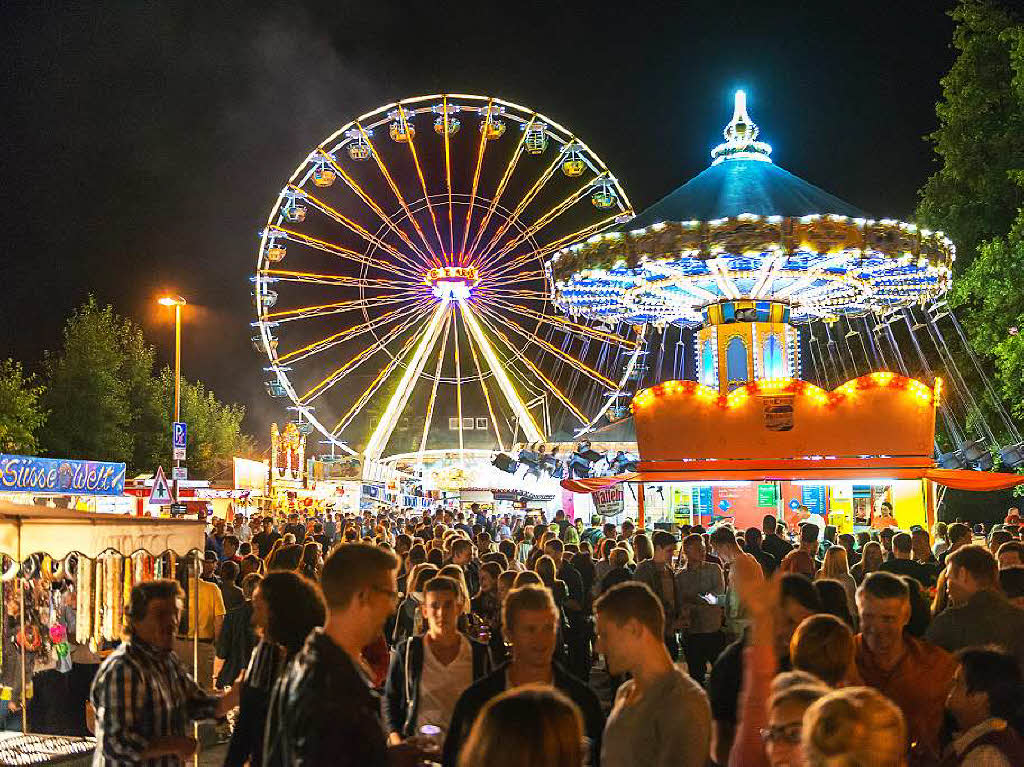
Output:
(28, 474)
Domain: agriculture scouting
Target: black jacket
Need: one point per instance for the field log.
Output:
(476, 697)
(324, 711)
(402, 688)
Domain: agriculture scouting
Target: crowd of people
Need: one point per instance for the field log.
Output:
(471, 640)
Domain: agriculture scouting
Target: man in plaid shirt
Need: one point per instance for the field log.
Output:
(143, 695)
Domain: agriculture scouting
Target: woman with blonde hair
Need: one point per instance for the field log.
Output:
(870, 560)
(836, 566)
(531, 725)
(855, 727)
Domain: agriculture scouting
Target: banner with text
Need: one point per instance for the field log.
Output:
(28, 474)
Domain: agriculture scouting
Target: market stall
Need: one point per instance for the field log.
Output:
(66, 578)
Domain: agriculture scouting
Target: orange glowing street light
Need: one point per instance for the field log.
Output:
(177, 302)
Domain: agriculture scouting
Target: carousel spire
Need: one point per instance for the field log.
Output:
(741, 137)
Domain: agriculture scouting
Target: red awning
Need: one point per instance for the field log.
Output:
(977, 481)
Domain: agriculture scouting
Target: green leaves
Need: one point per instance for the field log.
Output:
(106, 403)
(21, 413)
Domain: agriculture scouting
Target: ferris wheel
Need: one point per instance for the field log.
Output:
(401, 292)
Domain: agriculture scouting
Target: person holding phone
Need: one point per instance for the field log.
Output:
(699, 584)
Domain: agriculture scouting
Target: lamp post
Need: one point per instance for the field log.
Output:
(177, 302)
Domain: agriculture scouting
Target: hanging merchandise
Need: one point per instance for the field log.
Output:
(83, 600)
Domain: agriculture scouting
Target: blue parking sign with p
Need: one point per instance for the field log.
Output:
(180, 434)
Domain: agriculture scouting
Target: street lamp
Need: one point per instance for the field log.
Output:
(177, 302)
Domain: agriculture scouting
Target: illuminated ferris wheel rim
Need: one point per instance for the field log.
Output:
(355, 136)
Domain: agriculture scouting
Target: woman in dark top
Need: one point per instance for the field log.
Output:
(286, 607)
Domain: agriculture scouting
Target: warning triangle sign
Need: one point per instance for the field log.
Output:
(161, 493)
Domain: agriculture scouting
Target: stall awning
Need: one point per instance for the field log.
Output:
(977, 481)
(27, 530)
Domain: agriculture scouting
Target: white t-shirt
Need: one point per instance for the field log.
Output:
(441, 686)
(818, 521)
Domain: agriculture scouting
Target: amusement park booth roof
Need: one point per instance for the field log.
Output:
(880, 425)
(28, 530)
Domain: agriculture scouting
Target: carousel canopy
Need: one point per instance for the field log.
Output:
(733, 188)
(747, 229)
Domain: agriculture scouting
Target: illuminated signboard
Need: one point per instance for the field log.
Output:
(28, 474)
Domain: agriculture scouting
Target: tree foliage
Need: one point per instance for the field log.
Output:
(975, 194)
(21, 412)
(214, 428)
(107, 403)
(992, 292)
(87, 392)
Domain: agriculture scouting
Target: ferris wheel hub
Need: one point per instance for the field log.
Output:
(454, 283)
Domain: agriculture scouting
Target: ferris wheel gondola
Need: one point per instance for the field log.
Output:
(402, 271)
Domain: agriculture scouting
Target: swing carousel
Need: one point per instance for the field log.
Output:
(768, 273)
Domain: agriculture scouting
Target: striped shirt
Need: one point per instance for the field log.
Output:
(141, 693)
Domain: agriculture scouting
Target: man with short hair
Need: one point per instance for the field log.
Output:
(773, 543)
(230, 545)
(959, 535)
(981, 615)
(264, 540)
(753, 545)
(230, 593)
(429, 672)
(658, 574)
(809, 537)
(462, 555)
(237, 638)
(915, 674)
(323, 709)
(619, 572)
(577, 638)
(529, 619)
(660, 716)
(902, 563)
(144, 697)
(984, 700)
(699, 586)
(295, 527)
(1010, 554)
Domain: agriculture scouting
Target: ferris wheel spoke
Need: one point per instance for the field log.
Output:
(337, 250)
(433, 388)
(397, 192)
(343, 335)
(448, 183)
(282, 275)
(540, 223)
(564, 325)
(352, 226)
(502, 184)
(370, 390)
(476, 178)
(558, 244)
(518, 210)
(411, 142)
(483, 386)
(338, 307)
(425, 341)
(348, 366)
(550, 348)
(372, 204)
(548, 383)
(458, 378)
(526, 420)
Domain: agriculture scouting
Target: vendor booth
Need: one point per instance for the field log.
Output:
(64, 610)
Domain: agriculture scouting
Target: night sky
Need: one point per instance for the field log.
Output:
(144, 143)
